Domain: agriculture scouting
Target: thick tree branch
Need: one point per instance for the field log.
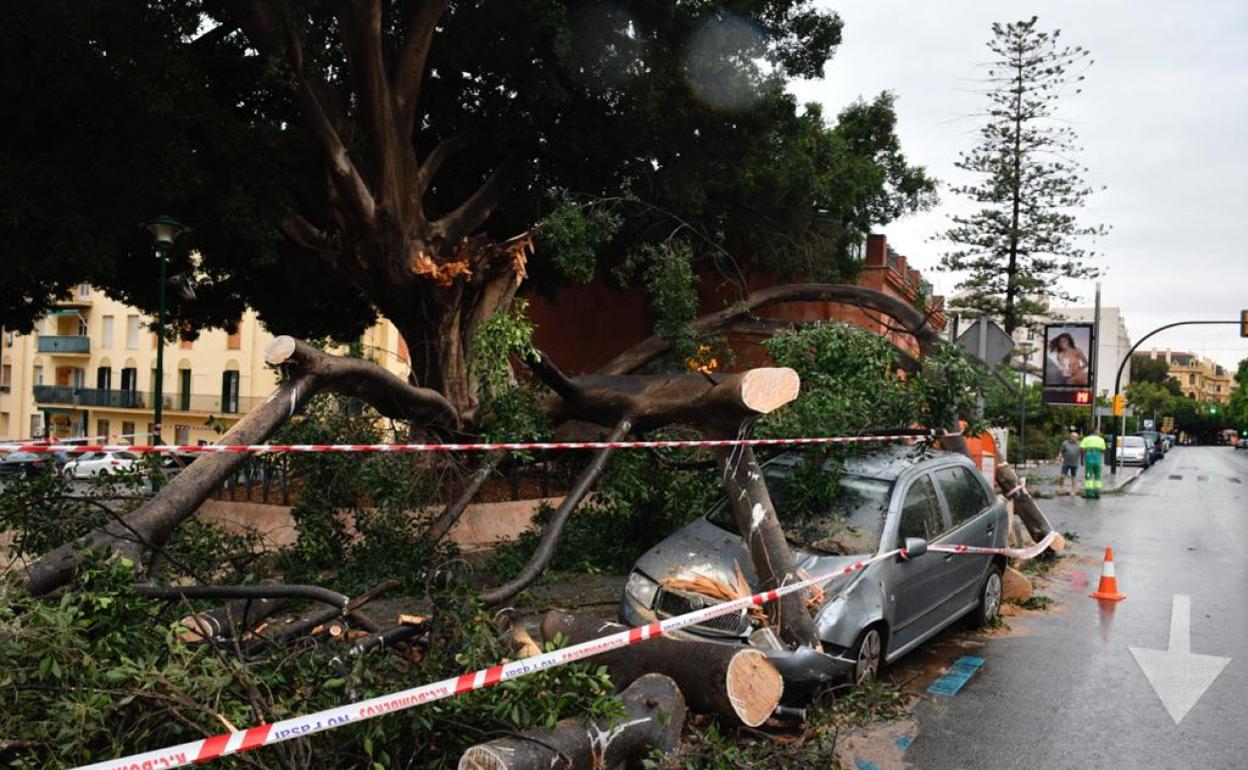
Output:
(304, 233)
(915, 322)
(753, 326)
(473, 212)
(276, 36)
(309, 372)
(361, 39)
(437, 156)
(554, 528)
(409, 70)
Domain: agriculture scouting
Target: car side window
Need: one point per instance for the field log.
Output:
(920, 512)
(963, 493)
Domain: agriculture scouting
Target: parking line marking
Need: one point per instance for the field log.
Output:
(959, 673)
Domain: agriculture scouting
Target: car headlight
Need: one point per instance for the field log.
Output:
(641, 588)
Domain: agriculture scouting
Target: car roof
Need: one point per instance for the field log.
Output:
(885, 463)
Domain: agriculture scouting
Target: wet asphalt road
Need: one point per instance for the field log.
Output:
(1063, 690)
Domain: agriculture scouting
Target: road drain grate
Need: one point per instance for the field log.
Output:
(1234, 480)
(1176, 477)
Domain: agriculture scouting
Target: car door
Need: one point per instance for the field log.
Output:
(974, 519)
(918, 587)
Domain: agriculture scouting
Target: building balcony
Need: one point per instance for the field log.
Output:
(64, 345)
(63, 395)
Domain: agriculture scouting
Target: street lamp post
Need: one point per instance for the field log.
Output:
(164, 229)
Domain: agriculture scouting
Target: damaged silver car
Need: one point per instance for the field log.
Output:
(836, 513)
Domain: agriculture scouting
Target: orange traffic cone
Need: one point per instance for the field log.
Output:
(1108, 589)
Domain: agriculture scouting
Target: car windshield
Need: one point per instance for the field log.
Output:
(827, 511)
(126, 456)
(1134, 442)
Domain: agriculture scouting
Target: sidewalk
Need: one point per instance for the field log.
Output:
(1042, 478)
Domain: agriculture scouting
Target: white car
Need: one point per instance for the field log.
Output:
(1133, 450)
(99, 463)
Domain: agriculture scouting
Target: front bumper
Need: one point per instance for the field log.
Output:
(805, 670)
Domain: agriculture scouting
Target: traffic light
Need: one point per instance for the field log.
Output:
(1120, 404)
(1243, 323)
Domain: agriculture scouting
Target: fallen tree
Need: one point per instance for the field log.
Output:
(307, 372)
(654, 715)
(736, 683)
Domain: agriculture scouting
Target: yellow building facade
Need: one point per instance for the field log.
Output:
(90, 370)
(1200, 378)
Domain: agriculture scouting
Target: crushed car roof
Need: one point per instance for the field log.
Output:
(885, 463)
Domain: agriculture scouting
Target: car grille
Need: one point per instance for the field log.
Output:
(671, 603)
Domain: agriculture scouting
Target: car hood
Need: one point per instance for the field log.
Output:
(708, 550)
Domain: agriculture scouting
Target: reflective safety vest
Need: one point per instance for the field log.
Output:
(1093, 448)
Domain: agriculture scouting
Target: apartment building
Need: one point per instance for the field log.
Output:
(1200, 378)
(90, 370)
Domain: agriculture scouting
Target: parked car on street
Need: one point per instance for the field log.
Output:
(99, 463)
(1133, 450)
(1156, 444)
(879, 502)
(24, 464)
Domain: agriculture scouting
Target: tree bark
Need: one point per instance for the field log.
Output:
(737, 683)
(715, 403)
(770, 554)
(655, 713)
(230, 621)
(1025, 507)
(309, 372)
(550, 535)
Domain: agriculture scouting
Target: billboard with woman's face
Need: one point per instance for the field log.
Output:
(1068, 356)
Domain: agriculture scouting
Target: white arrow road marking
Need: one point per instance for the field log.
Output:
(1178, 676)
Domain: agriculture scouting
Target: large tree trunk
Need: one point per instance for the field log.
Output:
(769, 549)
(737, 683)
(655, 714)
(309, 371)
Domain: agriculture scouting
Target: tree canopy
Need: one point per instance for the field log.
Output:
(1155, 371)
(341, 160)
(1025, 236)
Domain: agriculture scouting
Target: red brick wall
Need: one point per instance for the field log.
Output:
(582, 327)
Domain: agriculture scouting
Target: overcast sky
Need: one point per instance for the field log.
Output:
(1163, 118)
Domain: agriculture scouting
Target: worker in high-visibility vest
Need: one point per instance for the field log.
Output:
(1093, 448)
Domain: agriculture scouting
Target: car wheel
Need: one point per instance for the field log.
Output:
(868, 654)
(990, 593)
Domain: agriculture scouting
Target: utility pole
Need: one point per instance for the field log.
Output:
(1096, 358)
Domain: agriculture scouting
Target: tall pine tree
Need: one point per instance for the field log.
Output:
(1026, 236)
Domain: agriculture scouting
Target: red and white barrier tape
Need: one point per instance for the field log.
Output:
(208, 749)
(1030, 552)
(531, 446)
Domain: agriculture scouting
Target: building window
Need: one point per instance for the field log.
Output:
(130, 379)
(38, 371)
(182, 435)
(82, 327)
(84, 291)
(229, 392)
(1191, 379)
(104, 378)
(234, 340)
(132, 332)
(78, 378)
(184, 391)
(101, 430)
(6, 376)
(36, 426)
(106, 333)
(127, 431)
